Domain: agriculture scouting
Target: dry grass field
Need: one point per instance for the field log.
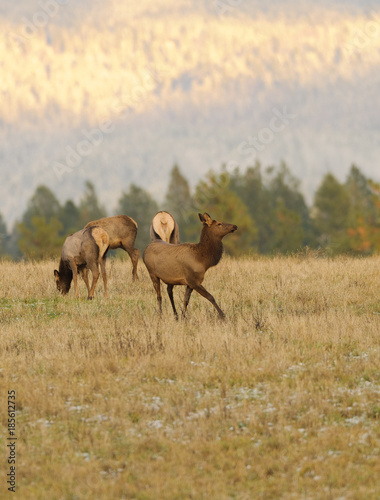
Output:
(280, 401)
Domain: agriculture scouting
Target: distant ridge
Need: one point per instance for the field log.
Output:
(192, 85)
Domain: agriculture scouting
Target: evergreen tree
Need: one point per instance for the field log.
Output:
(70, 218)
(89, 207)
(10, 244)
(285, 187)
(38, 233)
(331, 207)
(375, 189)
(215, 197)
(360, 193)
(249, 186)
(276, 204)
(3, 235)
(362, 226)
(139, 204)
(178, 200)
(43, 203)
(287, 231)
(290, 222)
(42, 240)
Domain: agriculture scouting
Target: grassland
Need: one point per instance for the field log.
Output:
(282, 400)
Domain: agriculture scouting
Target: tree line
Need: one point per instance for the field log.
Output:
(266, 204)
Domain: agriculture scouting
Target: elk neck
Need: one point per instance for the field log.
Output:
(210, 247)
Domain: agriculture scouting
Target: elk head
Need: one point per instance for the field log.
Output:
(63, 285)
(219, 229)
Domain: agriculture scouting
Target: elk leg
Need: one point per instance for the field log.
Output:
(85, 279)
(104, 276)
(134, 255)
(170, 293)
(157, 287)
(186, 299)
(201, 290)
(95, 276)
(75, 278)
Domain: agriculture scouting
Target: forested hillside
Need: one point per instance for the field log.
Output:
(198, 85)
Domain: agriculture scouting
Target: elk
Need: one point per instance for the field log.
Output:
(83, 250)
(164, 228)
(186, 263)
(122, 231)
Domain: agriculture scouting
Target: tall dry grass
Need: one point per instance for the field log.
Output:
(282, 400)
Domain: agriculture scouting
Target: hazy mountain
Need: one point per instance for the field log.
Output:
(219, 82)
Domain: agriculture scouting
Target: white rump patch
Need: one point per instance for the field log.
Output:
(163, 224)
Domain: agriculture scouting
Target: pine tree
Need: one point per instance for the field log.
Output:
(215, 197)
(139, 204)
(70, 218)
(3, 235)
(89, 207)
(375, 189)
(249, 187)
(290, 222)
(10, 244)
(43, 203)
(178, 200)
(362, 215)
(331, 206)
(38, 233)
(287, 231)
(277, 206)
(42, 240)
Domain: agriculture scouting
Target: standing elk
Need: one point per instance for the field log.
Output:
(122, 231)
(83, 250)
(186, 263)
(164, 228)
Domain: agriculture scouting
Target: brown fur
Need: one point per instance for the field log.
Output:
(164, 228)
(187, 263)
(122, 231)
(83, 250)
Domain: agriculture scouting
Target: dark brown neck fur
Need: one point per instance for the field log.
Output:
(210, 248)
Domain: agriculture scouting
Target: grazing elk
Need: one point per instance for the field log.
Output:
(122, 231)
(186, 263)
(164, 228)
(83, 250)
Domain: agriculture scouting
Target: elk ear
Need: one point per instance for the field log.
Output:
(207, 219)
(56, 274)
